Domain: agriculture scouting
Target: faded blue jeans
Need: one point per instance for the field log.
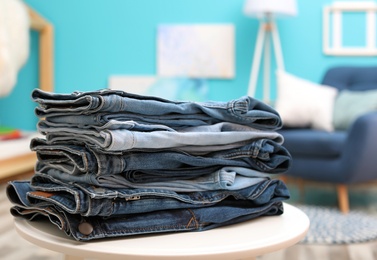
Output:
(195, 140)
(262, 155)
(245, 111)
(226, 178)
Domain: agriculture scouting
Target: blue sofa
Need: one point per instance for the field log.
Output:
(340, 157)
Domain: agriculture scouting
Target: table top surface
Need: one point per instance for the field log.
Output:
(247, 239)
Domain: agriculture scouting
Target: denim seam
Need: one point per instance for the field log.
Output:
(85, 162)
(57, 203)
(238, 105)
(163, 228)
(101, 102)
(133, 140)
(192, 219)
(260, 189)
(99, 163)
(122, 106)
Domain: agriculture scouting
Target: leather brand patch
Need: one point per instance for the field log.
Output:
(42, 194)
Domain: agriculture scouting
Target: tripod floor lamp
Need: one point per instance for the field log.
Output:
(266, 11)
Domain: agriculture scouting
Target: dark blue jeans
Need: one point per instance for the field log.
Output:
(226, 178)
(245, 111)
(88, 200)
(262, 155)
(175, 220)
(117, 212)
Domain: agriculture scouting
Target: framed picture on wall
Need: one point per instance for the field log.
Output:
(196, 50)
(334, 33)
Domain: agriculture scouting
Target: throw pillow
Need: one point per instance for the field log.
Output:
(349, 105)
(302, 103)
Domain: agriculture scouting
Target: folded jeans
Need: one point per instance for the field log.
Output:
(262, 155)
(245, 110)
(175, 220)
(88, 200)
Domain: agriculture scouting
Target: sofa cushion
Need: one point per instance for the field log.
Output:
(313, 143)
(351, 77)
(349, 105)
(302, 103)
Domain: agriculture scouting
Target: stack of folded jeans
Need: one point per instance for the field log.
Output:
(117, 164)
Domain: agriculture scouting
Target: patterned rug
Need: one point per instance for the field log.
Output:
(330, 226)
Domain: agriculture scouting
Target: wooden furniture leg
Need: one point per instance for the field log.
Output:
(343, 202)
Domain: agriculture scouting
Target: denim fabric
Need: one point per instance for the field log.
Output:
(198, 139)
(126, 120)
(227, 178)
(85, 124)
(177, 220)
(88, 200)
(126, 164)
(245, 111)
(262, 155)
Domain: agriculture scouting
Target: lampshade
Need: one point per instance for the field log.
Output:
(260, 8)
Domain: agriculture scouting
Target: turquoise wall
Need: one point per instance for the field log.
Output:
(98, 38)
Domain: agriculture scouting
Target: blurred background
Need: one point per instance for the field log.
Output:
(194, 50)
(95, 40)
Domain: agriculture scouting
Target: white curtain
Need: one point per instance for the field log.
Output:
(14, 42)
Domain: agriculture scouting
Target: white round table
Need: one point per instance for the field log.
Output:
(240, 241)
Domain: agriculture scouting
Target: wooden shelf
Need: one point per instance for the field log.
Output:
(17, 165)
(46, 49)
